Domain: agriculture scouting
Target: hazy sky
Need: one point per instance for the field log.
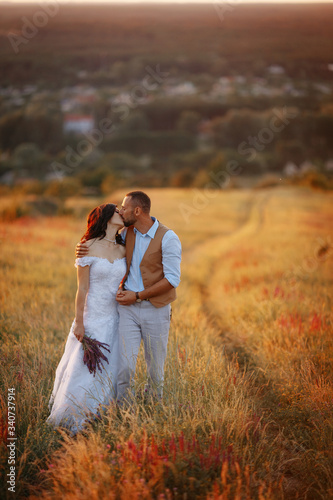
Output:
(227, 2)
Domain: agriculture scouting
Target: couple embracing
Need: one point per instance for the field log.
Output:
(128, 269)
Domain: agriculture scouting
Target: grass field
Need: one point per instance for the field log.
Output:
(247, 412)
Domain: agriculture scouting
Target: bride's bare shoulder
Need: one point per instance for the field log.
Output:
(90, 244)
(91, 241)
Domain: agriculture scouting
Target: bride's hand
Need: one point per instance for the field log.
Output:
(78, 332)
(81, 250)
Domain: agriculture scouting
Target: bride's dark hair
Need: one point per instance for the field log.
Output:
(97, 221)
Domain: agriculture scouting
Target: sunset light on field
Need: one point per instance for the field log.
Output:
(166, 267)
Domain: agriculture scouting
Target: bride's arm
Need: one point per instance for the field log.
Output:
(82, 290)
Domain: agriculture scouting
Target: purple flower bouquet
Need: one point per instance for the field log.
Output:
(93, 355)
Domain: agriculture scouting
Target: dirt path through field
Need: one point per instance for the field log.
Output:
(207, 257)
(203, 273)
(226, 245)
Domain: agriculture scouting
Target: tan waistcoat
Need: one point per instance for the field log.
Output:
(151, 265)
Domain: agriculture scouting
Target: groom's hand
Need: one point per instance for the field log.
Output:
(81, 250)
(125, 297)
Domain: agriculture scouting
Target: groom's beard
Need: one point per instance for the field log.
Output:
(129, 222)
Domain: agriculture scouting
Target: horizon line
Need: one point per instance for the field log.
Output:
(234, 3)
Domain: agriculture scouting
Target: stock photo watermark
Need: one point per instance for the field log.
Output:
(221, 179)
(266, 135)
(84, 148)
(11, 439)
(223, 7)
(140, 92)
(31, 26)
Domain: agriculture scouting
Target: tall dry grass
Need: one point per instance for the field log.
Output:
(248, 394)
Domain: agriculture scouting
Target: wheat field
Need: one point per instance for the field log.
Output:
(247, 409)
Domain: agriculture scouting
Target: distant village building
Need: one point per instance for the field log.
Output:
(259, 88)
(82, 74)
(182, 89)
(240, 79)
(290, 169)
(276, 70)
(329, 166)
(223, 87)
(131, 99)
(29, 89)
(16, 98)
(79, 124)
(54, 176)
(77, 100)
(67, 105)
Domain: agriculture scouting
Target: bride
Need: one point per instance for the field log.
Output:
(77, 393)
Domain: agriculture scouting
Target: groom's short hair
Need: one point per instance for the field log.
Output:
(140, 199)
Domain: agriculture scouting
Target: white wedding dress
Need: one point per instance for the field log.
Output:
(77, 392)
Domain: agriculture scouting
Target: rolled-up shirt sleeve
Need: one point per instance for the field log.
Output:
(171, 257)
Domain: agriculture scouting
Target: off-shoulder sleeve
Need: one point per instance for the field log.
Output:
(84, 261)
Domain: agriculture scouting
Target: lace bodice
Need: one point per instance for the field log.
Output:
(104, 280)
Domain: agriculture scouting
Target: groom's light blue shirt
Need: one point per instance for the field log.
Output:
(171, 257)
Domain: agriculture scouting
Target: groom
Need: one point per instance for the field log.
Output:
(153, 255)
